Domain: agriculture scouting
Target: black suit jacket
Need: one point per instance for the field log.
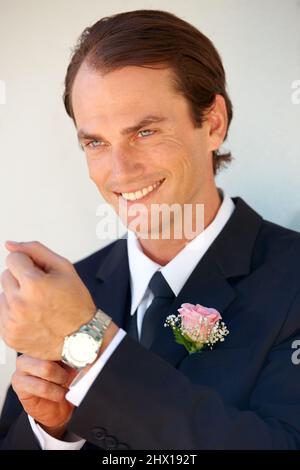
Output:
(243, 394)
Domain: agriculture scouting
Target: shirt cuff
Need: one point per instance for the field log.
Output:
(48, 442)
(81, 384)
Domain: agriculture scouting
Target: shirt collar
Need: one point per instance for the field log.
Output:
(179, 269)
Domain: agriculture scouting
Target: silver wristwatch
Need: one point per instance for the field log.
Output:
(82, 347)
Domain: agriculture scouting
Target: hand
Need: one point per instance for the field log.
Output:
(41, 387)
(43, 301)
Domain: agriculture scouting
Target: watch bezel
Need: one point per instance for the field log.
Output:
(70, 345)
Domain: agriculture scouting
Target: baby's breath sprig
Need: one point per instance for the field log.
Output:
(197, 338)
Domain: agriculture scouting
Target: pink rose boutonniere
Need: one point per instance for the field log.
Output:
(197, 327)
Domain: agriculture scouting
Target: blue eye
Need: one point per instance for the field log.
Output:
(94, 144)
(147, 131)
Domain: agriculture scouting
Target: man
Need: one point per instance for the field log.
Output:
(147, 94)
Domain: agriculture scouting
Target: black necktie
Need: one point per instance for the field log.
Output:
(154, 317)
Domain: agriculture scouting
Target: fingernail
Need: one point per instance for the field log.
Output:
(12, 242)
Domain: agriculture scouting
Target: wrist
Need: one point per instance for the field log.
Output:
(58, 432)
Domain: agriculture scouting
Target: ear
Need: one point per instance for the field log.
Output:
(217, 120)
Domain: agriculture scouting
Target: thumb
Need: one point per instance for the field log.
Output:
(42, 256)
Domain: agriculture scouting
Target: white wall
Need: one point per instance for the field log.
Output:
(45, 193)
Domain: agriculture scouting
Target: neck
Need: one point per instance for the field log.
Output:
(162, 251)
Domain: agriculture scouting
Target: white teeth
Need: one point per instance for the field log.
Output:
(141, 193)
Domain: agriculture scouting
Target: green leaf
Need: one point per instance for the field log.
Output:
(188, 344)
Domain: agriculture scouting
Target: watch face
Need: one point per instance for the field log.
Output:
(82, 349)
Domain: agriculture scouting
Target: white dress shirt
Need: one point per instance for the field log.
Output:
(141, 268)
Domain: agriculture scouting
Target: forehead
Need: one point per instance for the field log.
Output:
(122, 91)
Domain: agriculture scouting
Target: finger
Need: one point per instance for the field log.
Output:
(27, 385)
(71, 372)
(4, 308)
(40, 254)
(10, 285)
(47, 370)
(21, 266)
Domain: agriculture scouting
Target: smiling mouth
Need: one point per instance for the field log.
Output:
(141, 193)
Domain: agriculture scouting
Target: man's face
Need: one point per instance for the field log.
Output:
(164, 159)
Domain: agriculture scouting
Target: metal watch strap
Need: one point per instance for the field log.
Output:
(97, 325)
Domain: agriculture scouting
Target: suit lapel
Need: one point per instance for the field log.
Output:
(112, 289)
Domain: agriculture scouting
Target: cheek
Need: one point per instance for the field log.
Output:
(179, 160)
(97, 173)
(170, 153)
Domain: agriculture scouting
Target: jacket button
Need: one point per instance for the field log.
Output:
(99, 433)
(110, 442)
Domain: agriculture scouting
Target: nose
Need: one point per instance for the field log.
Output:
(125, 164)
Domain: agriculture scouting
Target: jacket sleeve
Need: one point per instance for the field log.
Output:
(15, 429)
(141, 401)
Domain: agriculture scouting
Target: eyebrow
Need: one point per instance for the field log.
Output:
(150, 119)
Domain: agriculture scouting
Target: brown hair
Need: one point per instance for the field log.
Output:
(152, 38)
